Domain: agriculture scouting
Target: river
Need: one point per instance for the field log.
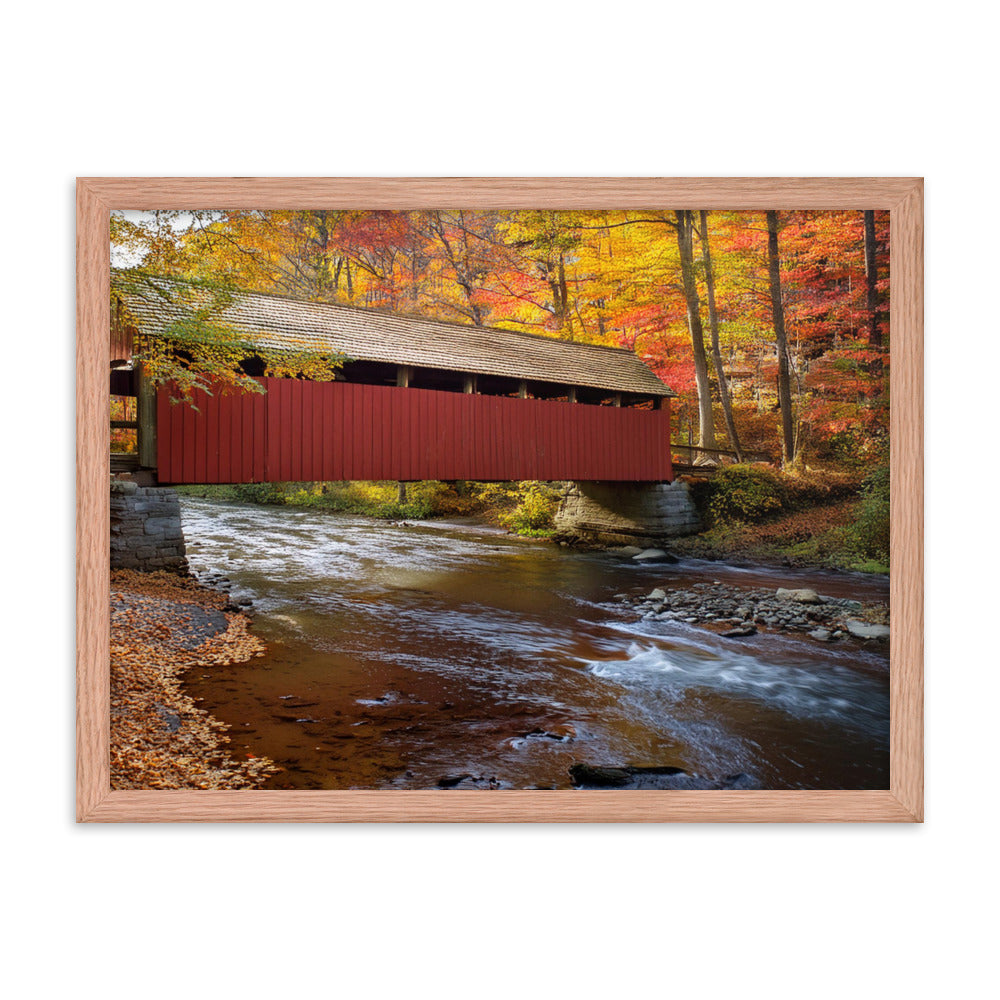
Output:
(404, 656)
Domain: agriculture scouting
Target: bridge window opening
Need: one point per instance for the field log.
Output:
(498, 385)
(439, 379)
(370, 372)
(124, 425)
(122, 382)
(253, 366)
(634, 402)
(548, 390)
(594, 397)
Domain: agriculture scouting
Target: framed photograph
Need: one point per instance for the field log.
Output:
(499, 500)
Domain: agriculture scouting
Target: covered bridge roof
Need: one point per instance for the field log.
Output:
(277, 322)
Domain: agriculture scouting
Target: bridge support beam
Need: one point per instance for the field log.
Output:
(146, 532)
(626, 513)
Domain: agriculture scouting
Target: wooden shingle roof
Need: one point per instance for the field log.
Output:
(278, 322)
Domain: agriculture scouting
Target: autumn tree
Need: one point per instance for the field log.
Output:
(713, 325)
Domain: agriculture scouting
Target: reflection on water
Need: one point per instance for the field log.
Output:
(401, 655)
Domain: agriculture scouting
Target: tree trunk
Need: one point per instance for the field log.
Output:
(871, 296)
(777, 310)
(713, 327)
(706, 428)
(871, 278)
(322, 269)
(565, 316)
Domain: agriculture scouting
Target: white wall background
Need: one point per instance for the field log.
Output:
(500, 88)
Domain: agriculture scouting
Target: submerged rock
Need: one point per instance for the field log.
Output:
(451, 780)
(597, 776)
(652, 778)
(739, 632)
(560, 734)
(740, 781)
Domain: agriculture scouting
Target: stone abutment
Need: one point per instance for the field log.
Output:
(146, 532)
(626, 513)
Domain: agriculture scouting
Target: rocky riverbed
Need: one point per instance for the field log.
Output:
(739, 612)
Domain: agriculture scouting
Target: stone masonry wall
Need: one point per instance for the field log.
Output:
(146, 528)
(626, 513)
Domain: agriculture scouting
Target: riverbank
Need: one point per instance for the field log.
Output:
(163, 626)
(808, 539)
(813, 538)
(815, 519)
(523, 508)
(751, 515)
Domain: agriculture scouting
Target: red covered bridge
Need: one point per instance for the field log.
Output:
(417, 399)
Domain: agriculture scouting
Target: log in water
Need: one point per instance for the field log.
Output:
(452, 655)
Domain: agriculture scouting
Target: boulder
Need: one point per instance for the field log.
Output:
(865, 630)
(739, 632)
(657, 595)
(823, 634)
(803, 595)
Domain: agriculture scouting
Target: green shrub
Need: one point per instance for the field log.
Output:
(535, 510)
(746, 494)
(526, 508)
(271, 493)
(869, 535)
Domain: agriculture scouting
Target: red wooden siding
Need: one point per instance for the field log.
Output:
(327, 431)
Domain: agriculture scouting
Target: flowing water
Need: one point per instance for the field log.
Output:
(402, 655)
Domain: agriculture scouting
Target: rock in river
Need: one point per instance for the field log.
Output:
(739, 632)
(649, 555)
(451, 780)
(803, 595)
(652, 778)
(654, 555)
(863, 630)
(596, 776)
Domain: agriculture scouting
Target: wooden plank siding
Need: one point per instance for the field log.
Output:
(329, 431)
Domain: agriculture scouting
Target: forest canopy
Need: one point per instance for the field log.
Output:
(772, 327)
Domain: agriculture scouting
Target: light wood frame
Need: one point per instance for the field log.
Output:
(902, 802)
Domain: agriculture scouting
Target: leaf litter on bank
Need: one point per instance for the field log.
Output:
(162, 625)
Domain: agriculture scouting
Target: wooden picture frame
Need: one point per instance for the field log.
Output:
(902, 802)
